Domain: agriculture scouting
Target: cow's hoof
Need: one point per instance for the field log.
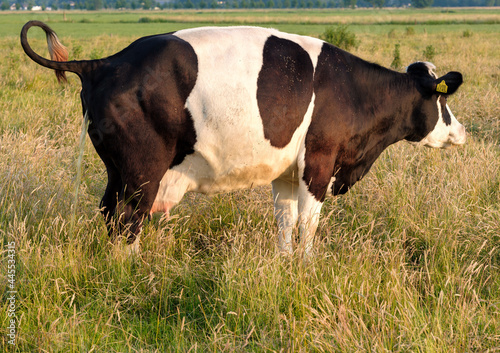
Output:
(286, 249)
(122, 250)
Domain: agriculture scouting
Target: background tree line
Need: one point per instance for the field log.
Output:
(234, 4)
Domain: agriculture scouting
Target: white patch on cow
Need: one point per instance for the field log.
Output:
(457, 133)
(443, 136)
(231, 151)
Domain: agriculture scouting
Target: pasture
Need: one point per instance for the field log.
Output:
(407, 261)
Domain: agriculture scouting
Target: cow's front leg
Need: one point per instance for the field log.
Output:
(309, 211)
(315, 177)
(285, 196)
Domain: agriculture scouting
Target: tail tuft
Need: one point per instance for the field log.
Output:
(58, 52)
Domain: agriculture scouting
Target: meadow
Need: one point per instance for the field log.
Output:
(406, 261)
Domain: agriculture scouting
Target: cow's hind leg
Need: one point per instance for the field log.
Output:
(138, 178)
(135, 206)
(112, 205)
(114, 191)
(285, 196)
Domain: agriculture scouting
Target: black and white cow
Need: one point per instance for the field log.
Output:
(213, 110)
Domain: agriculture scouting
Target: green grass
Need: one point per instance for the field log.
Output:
(407, 261)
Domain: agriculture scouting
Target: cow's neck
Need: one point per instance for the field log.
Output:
(385, 108)
(384, 104)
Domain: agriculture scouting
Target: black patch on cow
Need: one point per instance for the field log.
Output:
(344, 117)
(140, 127)
(444, 111)
(284, 89)
(331, 105)
(360, 108)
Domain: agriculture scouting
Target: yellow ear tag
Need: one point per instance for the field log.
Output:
(442, 87)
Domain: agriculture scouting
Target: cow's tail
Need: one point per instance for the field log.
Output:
(58, 52)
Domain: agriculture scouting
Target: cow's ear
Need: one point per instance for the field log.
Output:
(447, 84)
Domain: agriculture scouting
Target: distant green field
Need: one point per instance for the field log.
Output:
(311, 22)
(406, 261)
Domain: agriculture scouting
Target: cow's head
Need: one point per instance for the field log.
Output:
(434, 124)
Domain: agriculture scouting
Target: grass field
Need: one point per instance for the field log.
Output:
(407, 261)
